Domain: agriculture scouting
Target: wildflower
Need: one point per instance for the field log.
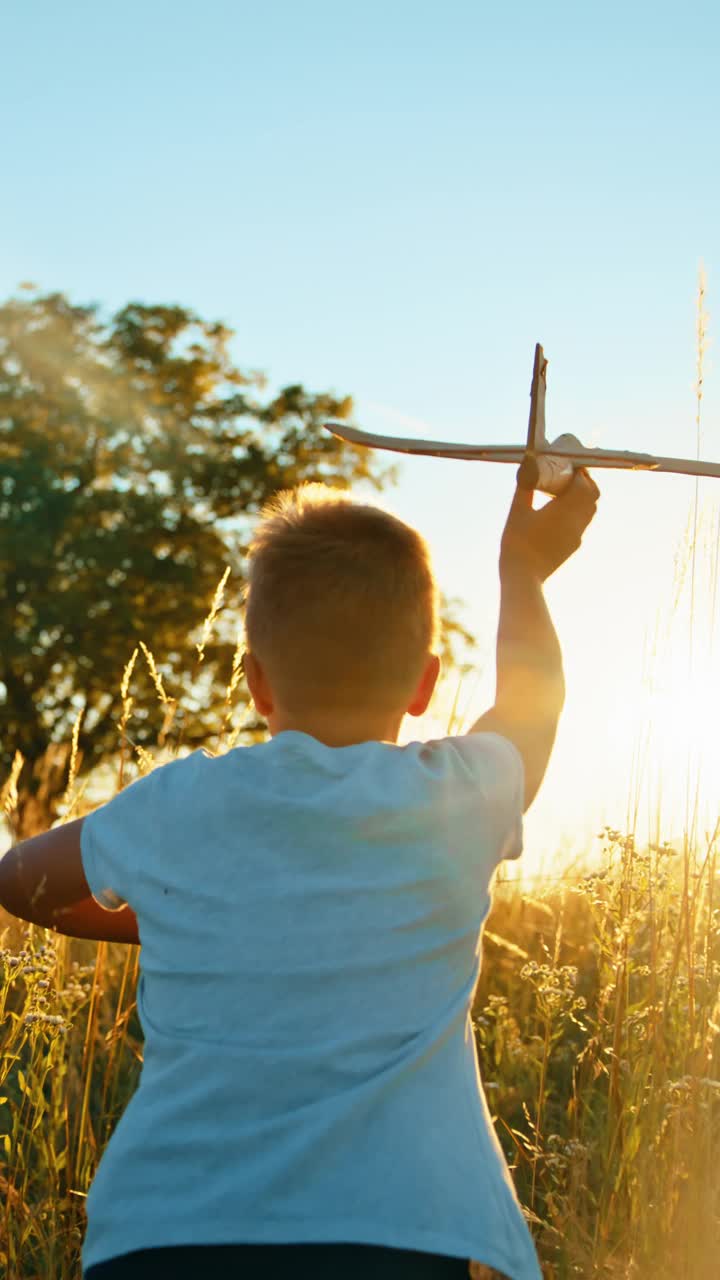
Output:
(46, 1019)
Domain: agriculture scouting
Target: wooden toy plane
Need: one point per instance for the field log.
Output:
(545, 465)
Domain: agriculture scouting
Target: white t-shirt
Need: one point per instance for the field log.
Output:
(310, 922)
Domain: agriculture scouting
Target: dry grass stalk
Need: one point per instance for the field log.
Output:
(701, 347)
(214, 610)
(9, 793)
(127, 701)
(154, 673)
(75, 760)
(170, 704)
(236, 676)
(127, 705)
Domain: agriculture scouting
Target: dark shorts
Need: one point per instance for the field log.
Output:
(279, 1262)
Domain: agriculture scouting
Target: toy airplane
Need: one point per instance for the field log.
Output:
(545, 465)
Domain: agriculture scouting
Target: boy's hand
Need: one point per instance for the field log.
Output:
(538, 542)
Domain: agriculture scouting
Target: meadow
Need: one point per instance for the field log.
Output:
(597, 1021)
(597, 1024)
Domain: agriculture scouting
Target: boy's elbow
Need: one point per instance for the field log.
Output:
(532, 729)
(12, 898)
(535, 707)
(556, 696)
(535, 743)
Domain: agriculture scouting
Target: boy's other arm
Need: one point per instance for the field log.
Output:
(42, 881)
(530, 688)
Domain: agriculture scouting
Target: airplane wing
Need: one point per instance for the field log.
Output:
(581, 457)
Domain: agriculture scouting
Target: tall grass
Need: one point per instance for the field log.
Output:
(598, 1036)
(597, 1022)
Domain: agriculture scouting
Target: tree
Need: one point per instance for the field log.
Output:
(133, 457)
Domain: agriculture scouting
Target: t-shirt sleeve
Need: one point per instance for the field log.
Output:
(114, 841)
(485, 788)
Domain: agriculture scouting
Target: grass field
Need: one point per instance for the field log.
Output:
(597, 1022)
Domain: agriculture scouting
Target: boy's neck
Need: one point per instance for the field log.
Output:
(336, 729)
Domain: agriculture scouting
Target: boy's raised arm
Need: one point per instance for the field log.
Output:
(530, 687)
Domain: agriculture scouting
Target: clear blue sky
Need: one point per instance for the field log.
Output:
(397, 200)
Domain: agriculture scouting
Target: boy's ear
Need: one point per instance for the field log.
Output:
(426, 687)
(257, 683)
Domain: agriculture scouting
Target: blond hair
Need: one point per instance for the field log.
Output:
(341, 602)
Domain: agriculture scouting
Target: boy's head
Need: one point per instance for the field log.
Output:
(341, 608)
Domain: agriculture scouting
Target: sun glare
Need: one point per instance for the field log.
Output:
(663, 745)
(637, 745)
(683, 714)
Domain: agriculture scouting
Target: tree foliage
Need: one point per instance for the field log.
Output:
(133, 456)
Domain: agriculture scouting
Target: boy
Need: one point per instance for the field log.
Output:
(310, 911)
